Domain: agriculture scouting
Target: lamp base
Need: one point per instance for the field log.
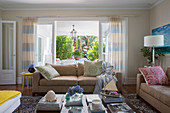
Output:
(153, 56)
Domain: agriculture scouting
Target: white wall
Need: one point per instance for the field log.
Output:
(0, 13)
(159, 16)
(138, 28)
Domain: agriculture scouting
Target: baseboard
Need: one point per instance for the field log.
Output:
(130, 80)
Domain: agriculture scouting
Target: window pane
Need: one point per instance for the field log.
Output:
(44, 43)
(7, 45)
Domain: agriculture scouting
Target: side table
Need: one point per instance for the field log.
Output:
(23, 78)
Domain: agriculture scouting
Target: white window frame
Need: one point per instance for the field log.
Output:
(52, 20)
(39, 37)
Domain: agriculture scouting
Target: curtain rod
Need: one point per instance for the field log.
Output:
(60, 16)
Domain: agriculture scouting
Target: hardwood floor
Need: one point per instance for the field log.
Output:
(128, 89)
(27, 91)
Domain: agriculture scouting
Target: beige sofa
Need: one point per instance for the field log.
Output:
(156, 95)
(70, 75)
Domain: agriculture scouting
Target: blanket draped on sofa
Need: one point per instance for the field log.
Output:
(106, 76)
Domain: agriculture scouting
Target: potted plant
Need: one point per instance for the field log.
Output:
(147, 52)
(77, 55)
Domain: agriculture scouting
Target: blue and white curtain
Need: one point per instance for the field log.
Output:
(28, 42)
(114, 49)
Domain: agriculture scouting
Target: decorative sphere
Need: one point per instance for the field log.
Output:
(50, 96)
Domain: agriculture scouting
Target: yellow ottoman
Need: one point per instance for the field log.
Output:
(9, 100)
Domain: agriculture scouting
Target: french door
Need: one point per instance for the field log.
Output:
(7, 52)
(44, 43)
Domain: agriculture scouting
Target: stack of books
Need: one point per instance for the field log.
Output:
(44, 105)
(110, 93)
(119, 108)
(109, 99)
(98, 110)
(90, 98)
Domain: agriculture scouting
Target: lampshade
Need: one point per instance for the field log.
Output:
(154, 41)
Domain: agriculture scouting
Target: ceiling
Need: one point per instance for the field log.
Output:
(77, 4)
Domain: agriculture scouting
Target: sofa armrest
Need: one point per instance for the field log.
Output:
(35, 81)
(118, 75)
(140, 80)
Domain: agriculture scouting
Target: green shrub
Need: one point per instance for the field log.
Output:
(94, 52)
(77, 53)
(64, 47)
(87, 43)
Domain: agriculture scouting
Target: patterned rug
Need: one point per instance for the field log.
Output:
(28, 104)
(140, 104)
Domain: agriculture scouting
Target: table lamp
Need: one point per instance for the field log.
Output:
(154, 41)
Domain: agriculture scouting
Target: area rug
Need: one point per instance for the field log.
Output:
(28, 104)
(140, 104)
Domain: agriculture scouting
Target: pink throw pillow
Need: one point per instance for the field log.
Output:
(154, 75)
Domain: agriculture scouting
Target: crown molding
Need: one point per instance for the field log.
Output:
(121, 8)
(156, 3)
(74, 8)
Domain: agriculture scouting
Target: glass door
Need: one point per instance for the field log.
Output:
(44, 42)
(8, 52)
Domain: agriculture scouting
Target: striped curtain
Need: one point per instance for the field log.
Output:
(28, 42)
(114, 52)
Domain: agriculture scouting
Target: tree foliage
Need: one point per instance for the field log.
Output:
(64, 47)
(87, 43)
(94, 52)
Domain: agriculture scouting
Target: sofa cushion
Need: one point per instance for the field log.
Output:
(65, 70)
(80, 70)
(87, 81)
(60, 81)
(154, 75)
(162, 93)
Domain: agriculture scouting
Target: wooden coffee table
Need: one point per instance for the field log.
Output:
(84, 107)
